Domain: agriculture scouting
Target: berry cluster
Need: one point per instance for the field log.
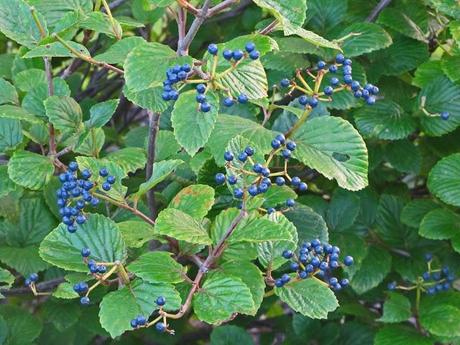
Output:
(75, 194)
(315, 259)
(174, 75)
(432, 281)
(32, 279)
(141, 321)
(259, 172)
(341, 64)
(238, 54)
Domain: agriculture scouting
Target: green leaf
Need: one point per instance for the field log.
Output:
(397, 152)
(119, 307)
(406, 22)
(309, 224)
(8, 93)
(16, 113)
(17, 23)
(324, 15)
(440, 224)
(389, 225)
(413, 213)
(65, 291)
(444, 179)
(397, 308)
(157, 267)
(99, 234)
(55, 10)
(440, 319)
(384, 120)
(117, 52)
(195, 200)
(332, 146)
(144, 85)
(427, 72)
(180, 225)
(100, 22)
(101, 113)
(309, 297)
(260, 230)
(135, 233)
(397, 335)
(161, 171)
(28, 79)
(130, 159)
(30, 170)
(192, 127)
(161, 3)
(309, 36)
(230, 335)
(56, 49)
(25, 260)
(10, 134)
(343, 210)
(6, 278)
(62, 316)
(440, 95)
(450, 67)
(23, 327)
(364, 38)
(220, 297)
(227, 127)
(249, 275)
(90, 142)
(64, 113)
(366, 277)
(286, 12)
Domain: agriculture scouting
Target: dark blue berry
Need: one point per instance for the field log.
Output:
(228, 102)
(232, 180)
(281, 138)
(347, 70)
(160, 301)
(431, 291)
(285, 278)
(276, 144)
(212, 49)
(63, 177)
(445, 115)
(85, 252)
(165, 96)
(265, 172)
(333, 281)
(287, 254)
(279, 283)
(355, 85)
(106, 186)
(263, 187)
(228, 54)
(205, 107)
(134, 323)
(370, 100)
(160, 327)
(71, 228)
(33, 277)
(315, 243)
(347, 62)
(243, 156)
(294, 266)
(173, 95)
(243, 98)
(81, 219)
(321, 64)
(103, 172)
(252, 190)
(87, 185)
(220, 178)
(290, 202)
(334, 81)
(296, 181)
(313, 102)
(309, 268)
(303, 100)
(340, 58)
(84, 300)
(61, 202)
(271, 210)
(348, 79)
(201, 88)
(315, 261)
(111, 179)
(141, 320)
(323, 266)
(358, 94)
(27, 282)
(257, 168)
(286, 154)
(250, 46)
(238, 193)
(249, 150)
(254, 55)
(348, 260)
(186, 68)
(238, 54)
(73, 166)
(285, 83)
(200, 98)
(428, 256)
(280, 181)
(228, 156)
(333, 68)
(303, 187)
(328, 90)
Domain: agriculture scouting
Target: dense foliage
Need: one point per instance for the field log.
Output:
(229, 172)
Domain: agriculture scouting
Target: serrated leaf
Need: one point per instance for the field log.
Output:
(192, 127)
(450, 67)
(427, 72)
(414, 211)
(6, 278)
(10, 134)
(310, 297)
(55, 10)
(397, 335)
(260, 230)
(440, 319)
(444, 179)
(309, 36)
(17, 23)
(220, 297)
(384, 120)
(397, 152)
(324, 15)
(286, 12)
(100, 22)
(23, 327)
(30, 170)
(56, 49)
(101, 113)
(161, 171)
(99, 234)
(343, 210)
(119, 307)
(8, 93)
(157, 267)
(180, 225)
(440, 224)
(13, 112)
(440, 95)
(135, 233)
(407, 22)
(195, 200)
(364, 38)
(25, 260)
(397, 308)
(64, 113)
(310, 225)
(230, 335)
(332, 146)
(130, 159)
(388, 221)
(117, 52)
(366, 277)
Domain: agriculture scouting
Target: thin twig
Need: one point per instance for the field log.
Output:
(42, 287)
(221, 7)
(154, 122)
(377, 9)
(269, 28)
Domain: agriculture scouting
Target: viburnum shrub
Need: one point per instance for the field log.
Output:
(229, 172)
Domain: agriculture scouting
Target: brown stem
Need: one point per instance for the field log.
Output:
(154, 122)
(41, 287)
(220, 7)
(377, 9)
(269, 28)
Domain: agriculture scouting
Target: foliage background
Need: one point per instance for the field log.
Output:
(409, 48)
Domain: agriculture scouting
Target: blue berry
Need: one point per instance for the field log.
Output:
(228, 102)
(333, 281)
(173, 78)
(426, 276)
(165, 96)
(445, 115)
(220, 178)
(348, 260)
(63, 177)
(355, 85)
(106, 186)
(71, 228)
(333, 68)
(250, 46)
(323, 266)
(33, 277)
(296, 181)
(101, 269)
(309, 268)
(84, 300)
(27, 282)
(243, 98)
(294, 266)
(173, 95)
(279, 283)
(141, 320)
(431, 291)
(205, 107)
(252, 190)
(201, 88)
(303, 187)
(67, 220)
(303, 274)
(328, 90)
(228, 156)
(73, 166)
(276, 144)
(200, 98)
(285, 278)
(186, 68)
(285, 82)
(281, 138)
(315, 262)
(254, 55)
(103, 172)
(212, 49)
(280, 181)
(340, 58)
(313, 102)
(265, 172)
(321, 64)
(249, 150)
(271, 210)
(348, 79)
(347, 70)
(334, 264)
(134, 323)
(238, 54)
(227, 54)
(290, 202)
(85, 252)
(76, 192)
(287, 254)
(160, 301)
(160, 327)
(347, 62)
(238, 193)
(81, 219)
(111, 179)
(286, 154)
(176, 69)
(232, 180)
(263, 187)
(428, 256)
(358, 94)
(87, 185)
(303, 100)
(61, 202)
(334, 81)
(243, 157)
(182, 75)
